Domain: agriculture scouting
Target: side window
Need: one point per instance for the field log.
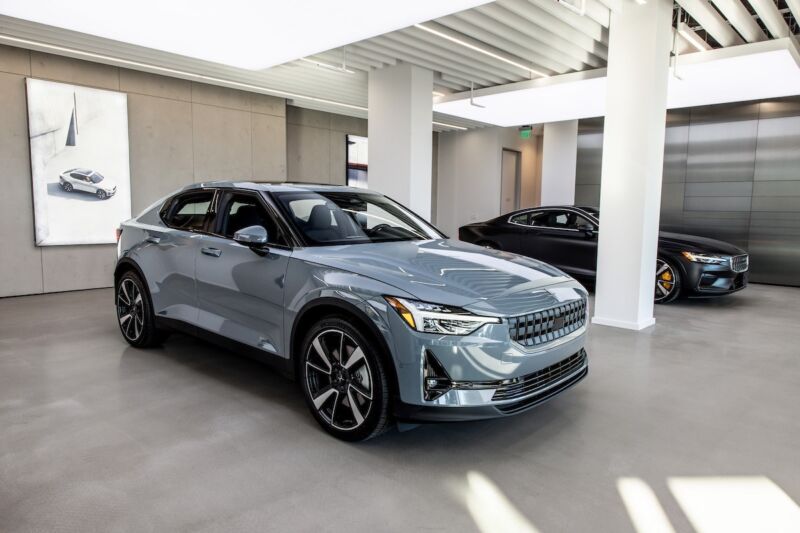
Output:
(245, 210)
(188, 212)
(521, 218)
(539, 219)
(77, 176)
(581, 221)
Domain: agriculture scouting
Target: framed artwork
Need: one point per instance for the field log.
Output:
(79, 162)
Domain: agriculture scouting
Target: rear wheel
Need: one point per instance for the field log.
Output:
(67, 187)
(135, 313)
(668, 282)
(343, 381)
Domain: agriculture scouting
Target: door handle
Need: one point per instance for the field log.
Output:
(152, 239)
(213, 252)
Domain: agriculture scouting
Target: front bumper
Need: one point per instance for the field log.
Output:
(713, 280)
(484, 405)
(489, 373)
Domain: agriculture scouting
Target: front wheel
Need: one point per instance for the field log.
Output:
(668, 282)
(343, 381)
(67, 186)
(101, 194)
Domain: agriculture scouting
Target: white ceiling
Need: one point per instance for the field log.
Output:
(239, 33)
(755, 71)
(489, 47)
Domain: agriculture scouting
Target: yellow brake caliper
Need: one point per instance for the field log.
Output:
(666, 277)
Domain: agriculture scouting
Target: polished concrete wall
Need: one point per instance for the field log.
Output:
(316, 144)
(731, 172)
(179, 132)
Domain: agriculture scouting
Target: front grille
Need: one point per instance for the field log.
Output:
(542, 379)
(548, 325)
(740, 263)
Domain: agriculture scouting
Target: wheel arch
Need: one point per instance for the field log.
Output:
(328, 306)
(126, 264)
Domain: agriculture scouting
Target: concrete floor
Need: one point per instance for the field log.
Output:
(98, 436)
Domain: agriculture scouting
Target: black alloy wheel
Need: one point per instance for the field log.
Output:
(668, 282)
(343, 381)
(101, 194)
(67, 187)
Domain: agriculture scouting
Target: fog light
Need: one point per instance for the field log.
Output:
(436, 382)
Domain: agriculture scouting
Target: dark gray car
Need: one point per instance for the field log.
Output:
(375, 312)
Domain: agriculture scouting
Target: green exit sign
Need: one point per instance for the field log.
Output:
(525, 134)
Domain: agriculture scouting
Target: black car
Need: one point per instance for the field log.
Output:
(566, 237)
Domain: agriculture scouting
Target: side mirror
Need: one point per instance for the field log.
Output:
(587, 229)
(254, 237)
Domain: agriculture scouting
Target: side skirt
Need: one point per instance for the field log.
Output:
(281, 365)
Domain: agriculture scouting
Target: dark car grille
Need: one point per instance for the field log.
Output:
(548, 325)
(542, 379)
(740, 263)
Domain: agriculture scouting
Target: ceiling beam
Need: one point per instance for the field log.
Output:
(794, 7)
(526, 27)
(486, 52)
(499, 41)
(773, 20)
(741, 19)
(455, 55)
(711, 21)
(586, 25)
(556, 26)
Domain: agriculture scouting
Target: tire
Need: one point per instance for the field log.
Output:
(67, 187)
(349, 398)
(101, 194)
(132, 300)
(668, 281)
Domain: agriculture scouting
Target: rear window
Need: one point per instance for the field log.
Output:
(188, 212)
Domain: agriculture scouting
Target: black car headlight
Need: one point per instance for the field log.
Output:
(708, 259)
(436, 318)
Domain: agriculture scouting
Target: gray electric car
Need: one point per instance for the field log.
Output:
(375, 312)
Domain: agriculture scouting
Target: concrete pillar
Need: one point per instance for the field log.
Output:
(633, 153)
(400, 138)
(559, 161)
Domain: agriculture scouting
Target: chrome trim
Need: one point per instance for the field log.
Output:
(732, 262)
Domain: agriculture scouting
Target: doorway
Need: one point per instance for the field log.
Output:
(510, 180)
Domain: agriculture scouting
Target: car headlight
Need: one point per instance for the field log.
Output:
(440, 319)
(709, 259)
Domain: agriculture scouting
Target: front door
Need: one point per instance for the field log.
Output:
(557, 237)
(240, 292)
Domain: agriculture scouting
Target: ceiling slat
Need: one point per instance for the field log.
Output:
(589, 27)
(741, 19)
(773, 20)
(711, 21)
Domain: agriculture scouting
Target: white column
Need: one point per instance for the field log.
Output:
(400, 138)
(559, 161)
(633, 154)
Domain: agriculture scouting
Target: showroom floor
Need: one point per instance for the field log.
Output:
(98, 436)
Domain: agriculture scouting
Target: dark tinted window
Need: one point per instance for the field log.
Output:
(559, 220)
(245, 210)
(188, 212)
(521, 218)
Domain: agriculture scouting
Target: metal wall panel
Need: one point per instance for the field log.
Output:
(731, 172)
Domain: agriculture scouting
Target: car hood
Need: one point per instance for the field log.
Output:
(693, 243)
(441, 271)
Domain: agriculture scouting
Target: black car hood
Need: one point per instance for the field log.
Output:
(693, 243)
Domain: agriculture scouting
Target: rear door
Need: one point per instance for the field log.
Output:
(168, 255)
(240, 292)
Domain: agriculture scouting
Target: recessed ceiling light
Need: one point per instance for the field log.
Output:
(239, 33)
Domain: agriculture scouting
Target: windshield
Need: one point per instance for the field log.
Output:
(327, 218)
(96, 178)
